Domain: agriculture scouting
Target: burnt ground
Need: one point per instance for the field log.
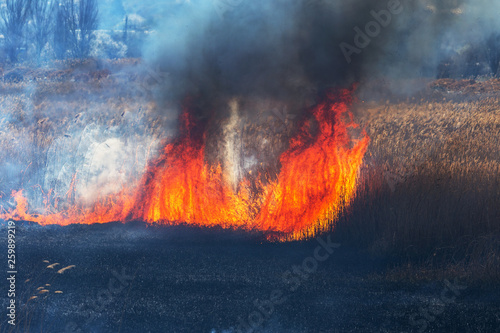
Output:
(180, 279)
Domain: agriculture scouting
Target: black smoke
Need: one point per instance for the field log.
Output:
(288, 48)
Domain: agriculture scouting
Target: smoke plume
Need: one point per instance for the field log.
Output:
(292, 49)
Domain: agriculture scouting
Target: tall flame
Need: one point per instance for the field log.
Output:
(318, 174)
(316, 182)
(181, 187)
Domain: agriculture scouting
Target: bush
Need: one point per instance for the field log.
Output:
(105, 47)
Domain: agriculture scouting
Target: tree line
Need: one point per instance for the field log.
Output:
(478, 58)
(66, 26)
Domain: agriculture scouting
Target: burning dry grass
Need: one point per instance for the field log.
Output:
(184, 189)
(429, 189)
(46, 113)
(430, 186)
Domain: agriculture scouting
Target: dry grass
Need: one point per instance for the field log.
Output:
(56, 107)
(33, 296)
(430, 188)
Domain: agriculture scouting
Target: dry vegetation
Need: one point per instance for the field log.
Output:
(49, 116)
(35, 294)
(430, 188)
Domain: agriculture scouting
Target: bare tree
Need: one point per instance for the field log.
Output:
(125, 30)
(76, 22)
(61, 30)
(15, 15)
(493, 52)
(42, 23)
(84, 20)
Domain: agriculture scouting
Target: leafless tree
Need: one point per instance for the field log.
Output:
(125, 30)
(61, 30)
(42, 23)
(76, 22)
(85, 18)
(15, 15)
(493, 52)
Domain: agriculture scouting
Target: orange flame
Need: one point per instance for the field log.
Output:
(181, 187)
(316, 182)
(318, 174)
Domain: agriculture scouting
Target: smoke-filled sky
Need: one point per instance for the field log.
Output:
(263, 47)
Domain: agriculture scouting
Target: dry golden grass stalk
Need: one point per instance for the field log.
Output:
(62, 270)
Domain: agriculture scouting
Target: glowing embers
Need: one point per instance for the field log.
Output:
(316, 181)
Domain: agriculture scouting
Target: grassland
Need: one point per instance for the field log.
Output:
(54, 116)
(429, 192)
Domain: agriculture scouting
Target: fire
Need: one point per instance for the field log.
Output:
(316, 182)
(104, 210)
(181, 187)
(318, 174)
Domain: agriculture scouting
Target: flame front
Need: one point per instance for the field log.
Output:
(181, 187)
(318, 174)
(316, 182)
